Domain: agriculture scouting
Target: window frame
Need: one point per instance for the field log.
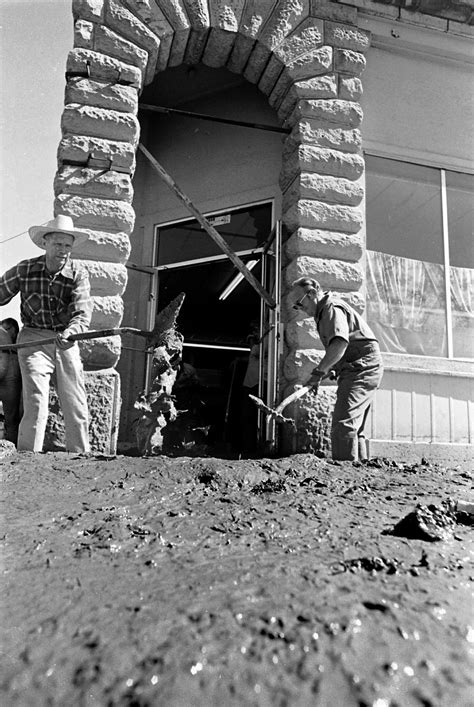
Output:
(444, 233)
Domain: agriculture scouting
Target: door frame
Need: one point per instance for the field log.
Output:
(269, 355)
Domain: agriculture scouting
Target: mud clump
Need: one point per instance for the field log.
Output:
(431, 523)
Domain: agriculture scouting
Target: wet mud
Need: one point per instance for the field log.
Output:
(204, 581)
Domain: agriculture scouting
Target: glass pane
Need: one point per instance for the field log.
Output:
(406, 304)
(242, 229)
(404, 209)
(462, 307)
(460, 192)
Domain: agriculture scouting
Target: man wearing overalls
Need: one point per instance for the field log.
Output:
(352, 353)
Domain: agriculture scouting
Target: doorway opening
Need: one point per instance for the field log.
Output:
(229, 335)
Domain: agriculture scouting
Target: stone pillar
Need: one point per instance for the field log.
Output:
(114, 54)
(322, 181)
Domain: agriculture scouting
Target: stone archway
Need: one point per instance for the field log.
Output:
(306, 56)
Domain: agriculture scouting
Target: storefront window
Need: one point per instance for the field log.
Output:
(409, 248)
(460, 205)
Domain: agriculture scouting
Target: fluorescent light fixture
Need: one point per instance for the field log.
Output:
(236, 281)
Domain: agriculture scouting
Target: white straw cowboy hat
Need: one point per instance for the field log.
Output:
(60, 224)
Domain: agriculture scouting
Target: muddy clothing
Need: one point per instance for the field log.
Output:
(50, 303)
(10, 388)
(359, 374)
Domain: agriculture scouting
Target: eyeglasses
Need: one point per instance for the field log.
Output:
(299, 304)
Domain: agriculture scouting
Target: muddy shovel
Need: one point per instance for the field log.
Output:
(276, 413)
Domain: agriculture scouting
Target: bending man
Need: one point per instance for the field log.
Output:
(353, 353)
(55, 303)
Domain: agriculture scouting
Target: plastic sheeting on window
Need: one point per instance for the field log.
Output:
(406, 305)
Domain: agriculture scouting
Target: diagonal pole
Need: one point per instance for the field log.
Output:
(216, 237)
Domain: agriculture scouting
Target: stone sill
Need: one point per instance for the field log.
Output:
(408, 363)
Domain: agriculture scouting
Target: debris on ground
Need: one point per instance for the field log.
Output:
(254, 582)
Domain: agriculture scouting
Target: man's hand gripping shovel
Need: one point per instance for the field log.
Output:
(277, 413)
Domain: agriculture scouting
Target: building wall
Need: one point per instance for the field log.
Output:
(418, 108)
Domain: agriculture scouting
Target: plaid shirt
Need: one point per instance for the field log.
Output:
(60, 302)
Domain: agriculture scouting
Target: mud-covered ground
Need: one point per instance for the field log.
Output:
(205, 581)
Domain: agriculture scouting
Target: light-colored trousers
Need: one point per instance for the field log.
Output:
(39, 364)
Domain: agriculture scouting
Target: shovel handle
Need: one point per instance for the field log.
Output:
(78, 337)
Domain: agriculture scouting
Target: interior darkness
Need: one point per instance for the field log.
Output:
(215, 398)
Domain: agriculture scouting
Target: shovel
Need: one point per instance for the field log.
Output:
(276, 413)
(79, 337)
(164, 321)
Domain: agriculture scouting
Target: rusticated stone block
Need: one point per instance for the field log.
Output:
(307, 37)
(350, 89)
(226, 14)
(312, 133)
(102, 39)
(283, 19)
(301, 334)
(324, 244)
(328, 10)
(344, 113)
(100, 353)
(93, 182)
(103, 68)
(347, 61)
(154, 18)
(178, 18)
(103, 400)
(313, 63)
(107, 312)
(299, 363)
(107, 279)
(306, 158)
(316, 214)
(88, 9)
(118, 18)
(104, 246)
(115, 155)
(99, 122)
(96, 214)
(254, 17)
(335, 190)
(346, 37)
(240, 53)
(198, 13)
(101, 94)
(218, 47)
(331, 274)
(316, 87)
(196, 45)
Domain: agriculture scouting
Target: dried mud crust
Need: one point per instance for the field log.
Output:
(203, 581)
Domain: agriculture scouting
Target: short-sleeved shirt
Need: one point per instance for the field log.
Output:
(336, 318)
(59, 301)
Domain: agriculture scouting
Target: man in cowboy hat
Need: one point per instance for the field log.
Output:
(352, 355)
(55, 303)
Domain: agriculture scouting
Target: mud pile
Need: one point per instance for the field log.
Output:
(204, 581)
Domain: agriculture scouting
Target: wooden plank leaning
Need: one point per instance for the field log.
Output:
(216, 237)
